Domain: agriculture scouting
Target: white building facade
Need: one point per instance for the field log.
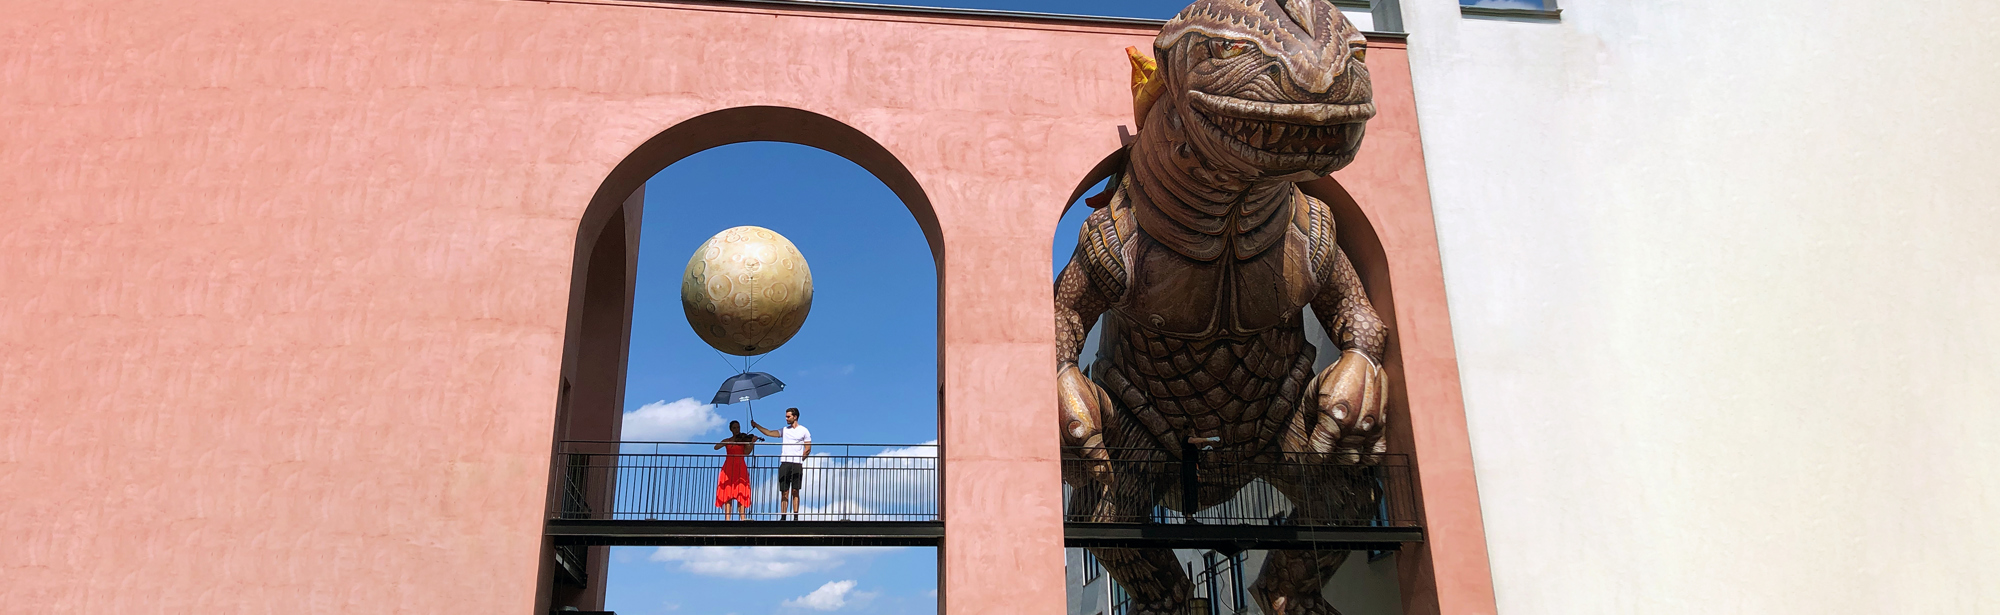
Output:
(1726, 301)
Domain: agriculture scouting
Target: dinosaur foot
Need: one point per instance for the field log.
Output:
(1311, 604)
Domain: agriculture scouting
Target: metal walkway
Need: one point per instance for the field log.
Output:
(748, 533)
(663, 494)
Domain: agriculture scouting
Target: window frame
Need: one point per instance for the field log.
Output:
(1550, 11)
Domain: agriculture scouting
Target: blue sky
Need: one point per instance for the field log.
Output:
(863, 368)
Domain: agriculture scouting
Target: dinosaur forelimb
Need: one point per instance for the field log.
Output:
(1347, 413)
(1082, 406)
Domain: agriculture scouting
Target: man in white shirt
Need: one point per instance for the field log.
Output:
(798, 443)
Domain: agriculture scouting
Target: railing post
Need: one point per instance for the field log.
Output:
(1190, 480)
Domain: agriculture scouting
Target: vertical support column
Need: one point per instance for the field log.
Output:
(1002, 475)
(595, 371)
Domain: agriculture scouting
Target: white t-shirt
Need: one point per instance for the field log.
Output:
(796, 439)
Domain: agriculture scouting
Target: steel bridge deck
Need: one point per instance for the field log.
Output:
(931, 534)
(748, 533)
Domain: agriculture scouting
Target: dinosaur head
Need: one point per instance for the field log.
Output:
(1267, 88)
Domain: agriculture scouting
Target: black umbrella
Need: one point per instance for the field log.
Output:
(745, 387)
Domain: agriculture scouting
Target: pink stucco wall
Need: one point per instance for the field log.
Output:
(286, 283)
(1448, 573)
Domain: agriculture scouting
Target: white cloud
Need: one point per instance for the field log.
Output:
(828, 597)
(676, 421)
(749, 562)
(895, 484)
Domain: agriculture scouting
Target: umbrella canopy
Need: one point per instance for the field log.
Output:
(745, 387)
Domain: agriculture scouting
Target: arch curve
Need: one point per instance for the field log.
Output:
(1111, 164)
(597, 333)
(1358, 237)
(764, 123)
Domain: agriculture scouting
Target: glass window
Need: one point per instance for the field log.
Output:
(1532, 5)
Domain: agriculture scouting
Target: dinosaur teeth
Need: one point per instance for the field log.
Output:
(1285, 137)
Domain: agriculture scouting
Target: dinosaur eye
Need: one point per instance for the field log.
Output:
(1225, 49)
(1359, 52)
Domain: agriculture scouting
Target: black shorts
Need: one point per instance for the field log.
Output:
(790, 476)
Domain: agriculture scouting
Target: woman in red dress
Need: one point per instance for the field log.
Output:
(732, 487)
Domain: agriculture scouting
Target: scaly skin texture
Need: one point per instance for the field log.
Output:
(1201, 265)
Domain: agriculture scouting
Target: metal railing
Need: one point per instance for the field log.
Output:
(677, 481)
(1219, 587)
(1211, 595)
(1150, 486)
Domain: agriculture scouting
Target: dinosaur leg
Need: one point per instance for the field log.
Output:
(1153, 577)
(1323, 469)
(1324, 490)
(1291, 582)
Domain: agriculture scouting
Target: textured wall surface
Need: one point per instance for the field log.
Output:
(1724, 285)
(285, 283)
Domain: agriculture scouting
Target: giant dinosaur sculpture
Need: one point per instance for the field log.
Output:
(1203, 260)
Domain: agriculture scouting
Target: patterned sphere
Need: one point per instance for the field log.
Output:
(747, 290)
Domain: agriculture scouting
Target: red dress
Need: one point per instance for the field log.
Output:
(734, 482)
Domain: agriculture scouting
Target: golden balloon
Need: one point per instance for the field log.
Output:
(747, 290)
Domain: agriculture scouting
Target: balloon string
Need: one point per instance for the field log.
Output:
(747, 363)
(725, 361)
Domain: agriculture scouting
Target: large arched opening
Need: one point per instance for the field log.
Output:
(1376, 578)
(592, 400)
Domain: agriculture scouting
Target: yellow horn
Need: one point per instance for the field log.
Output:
(1146, 86)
